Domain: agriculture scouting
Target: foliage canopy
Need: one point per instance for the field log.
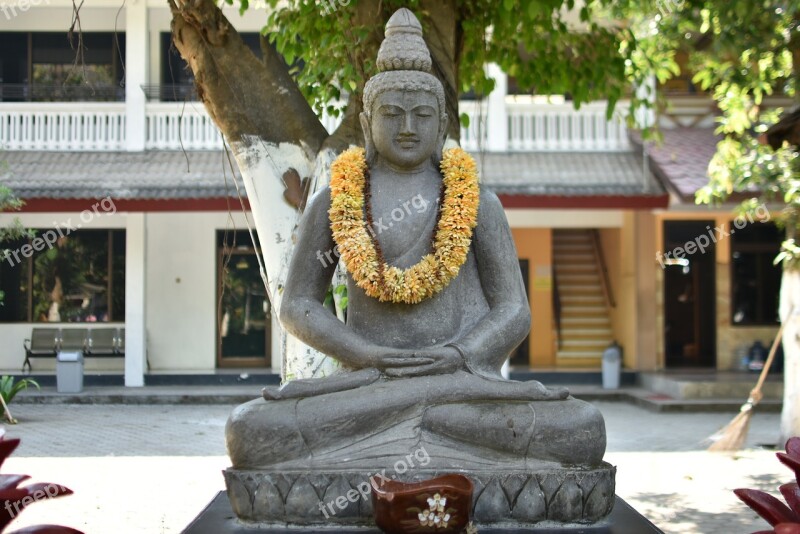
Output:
(549, 46)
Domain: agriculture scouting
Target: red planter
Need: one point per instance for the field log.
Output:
(440, 505)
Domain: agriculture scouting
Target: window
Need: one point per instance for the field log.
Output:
(755, 280)
(48, 67)
(81, 278)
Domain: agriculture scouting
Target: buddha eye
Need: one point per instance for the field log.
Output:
(424, 111)
(391, 111)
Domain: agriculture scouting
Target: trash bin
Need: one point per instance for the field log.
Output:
(612, 366)
(69, 372)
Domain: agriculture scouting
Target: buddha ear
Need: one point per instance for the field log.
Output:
(440, 141)
(368, 144)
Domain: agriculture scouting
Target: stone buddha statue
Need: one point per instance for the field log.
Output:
(436, 305)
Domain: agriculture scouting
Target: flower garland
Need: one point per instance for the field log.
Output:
(360, 251)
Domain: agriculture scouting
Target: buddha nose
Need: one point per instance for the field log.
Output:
(408, 126)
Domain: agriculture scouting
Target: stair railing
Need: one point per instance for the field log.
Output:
(557, 309)
(605, 281)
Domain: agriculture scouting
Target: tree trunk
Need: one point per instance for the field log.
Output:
(790, 315)
(790, 305)
(274, 133)
(267, 140)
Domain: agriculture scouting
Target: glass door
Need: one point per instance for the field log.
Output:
(243, 314)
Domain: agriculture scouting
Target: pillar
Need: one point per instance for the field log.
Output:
(135, 332)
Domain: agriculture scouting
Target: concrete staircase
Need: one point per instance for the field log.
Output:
(585, 322)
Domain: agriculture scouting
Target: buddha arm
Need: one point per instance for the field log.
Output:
(310, 274)
(508, 321)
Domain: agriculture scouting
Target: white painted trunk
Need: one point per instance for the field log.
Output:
(262, 165)
(790, 316)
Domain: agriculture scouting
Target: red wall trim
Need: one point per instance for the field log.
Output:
(585, 202)
(39, 205)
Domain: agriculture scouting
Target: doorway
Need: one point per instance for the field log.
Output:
(244, 314)
(521, 355)
(689, 295)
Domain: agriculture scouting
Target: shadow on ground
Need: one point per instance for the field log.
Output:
(674, 513)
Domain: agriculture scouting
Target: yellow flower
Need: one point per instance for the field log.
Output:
(458, 217)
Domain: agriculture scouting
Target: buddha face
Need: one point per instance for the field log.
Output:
(405, 127)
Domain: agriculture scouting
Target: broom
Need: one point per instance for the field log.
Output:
(732, 436)
(9, 417)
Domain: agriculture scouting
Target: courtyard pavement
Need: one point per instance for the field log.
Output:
(152, 469)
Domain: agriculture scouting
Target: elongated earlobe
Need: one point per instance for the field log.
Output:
(437, 154)
(368, 144)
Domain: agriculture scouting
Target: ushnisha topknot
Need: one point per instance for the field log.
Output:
(404, 62)
(403, 48)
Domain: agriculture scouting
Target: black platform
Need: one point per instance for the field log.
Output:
(218, 518)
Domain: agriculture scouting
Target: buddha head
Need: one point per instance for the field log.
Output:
(404, 117)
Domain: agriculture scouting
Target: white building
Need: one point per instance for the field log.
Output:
(150, 258)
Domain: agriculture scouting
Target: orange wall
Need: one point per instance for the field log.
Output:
(536, 245)
(629, 253)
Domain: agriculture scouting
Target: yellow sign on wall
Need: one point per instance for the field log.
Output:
(543, 278)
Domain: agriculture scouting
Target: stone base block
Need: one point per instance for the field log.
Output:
(545, 496)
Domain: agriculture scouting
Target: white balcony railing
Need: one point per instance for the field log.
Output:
(546, 127)
(62, 126)
(177, 126)
(81, 126)
(96, 126)
(559, 127)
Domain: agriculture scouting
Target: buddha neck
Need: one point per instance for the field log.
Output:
(382, 166)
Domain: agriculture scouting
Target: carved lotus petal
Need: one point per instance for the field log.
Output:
(530, 504)
(268, 499)
(567, 502)
(492, 505)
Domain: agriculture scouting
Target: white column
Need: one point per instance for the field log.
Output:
(135, 331)
(496, 114)
(646, 116)
(136, 46)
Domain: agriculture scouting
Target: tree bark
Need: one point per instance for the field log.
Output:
(269, 126)
(443, 39)
(273, 132)
(244, 96)
(790, 304)
(790, 315)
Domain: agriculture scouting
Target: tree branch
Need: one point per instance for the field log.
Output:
(349, 132)
(443, 41)
(441, 38)
(242, 95)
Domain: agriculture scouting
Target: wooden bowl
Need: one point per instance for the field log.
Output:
(440, 505)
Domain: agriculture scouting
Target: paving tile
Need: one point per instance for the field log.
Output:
(152, 468)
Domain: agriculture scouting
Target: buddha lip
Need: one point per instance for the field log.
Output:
(407, 142)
